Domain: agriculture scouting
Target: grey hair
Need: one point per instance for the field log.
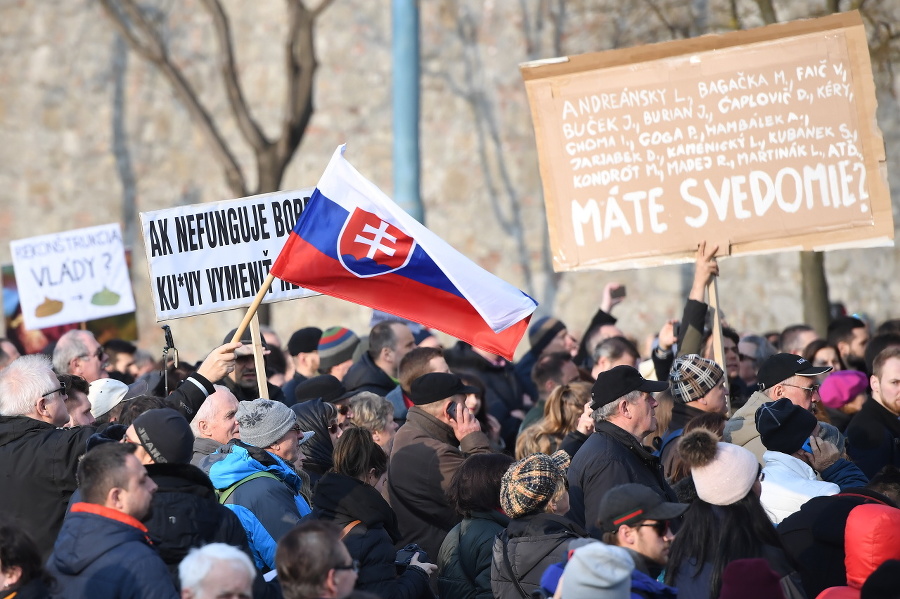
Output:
(371, 411)
(196, 565)
(206, 411)
(70, 346)
(609, 410)
(23, 382)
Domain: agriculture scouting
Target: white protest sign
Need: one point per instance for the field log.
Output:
(211, 257)
(72, 276)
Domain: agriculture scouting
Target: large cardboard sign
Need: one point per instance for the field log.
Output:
(72, 276)
(211, 257)
(757, 141)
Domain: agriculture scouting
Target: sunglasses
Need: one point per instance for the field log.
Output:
(61, 390)
(354, 565)
(661, 527)
(334, 428)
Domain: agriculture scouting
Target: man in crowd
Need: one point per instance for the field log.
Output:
(377, 369)
(850, 336)
(624, 413)
(103, 550)
(549, 372)
(336, 348)
(795, 338)
(635, 518)
(216, 571)
(107, 397)
(612, 352)
(303, 347)
(874, 433)
(78, 404)
(121, 360)
(417, 362)
(243, 380)
(546, 335)
(783, 375)
(313, 563)
(438, 435)
(215, 423)
(78, 352)
(753, 351)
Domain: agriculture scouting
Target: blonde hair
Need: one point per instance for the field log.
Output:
(371, 411)
(561, 412)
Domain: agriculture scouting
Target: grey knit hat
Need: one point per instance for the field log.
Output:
(263, 421)
(598, 571)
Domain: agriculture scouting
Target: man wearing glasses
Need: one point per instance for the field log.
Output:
(78, 353)
(313, 563)
(636, 518)
(782, 376)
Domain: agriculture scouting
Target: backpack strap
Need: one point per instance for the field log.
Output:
(224, 494)
(350, 526)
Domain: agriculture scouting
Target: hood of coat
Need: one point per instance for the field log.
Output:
(316, 415)
(237, 461)
(85, 538)
(341, 497)
(180, 478)
(872, 537)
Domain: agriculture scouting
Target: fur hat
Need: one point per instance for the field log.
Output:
(783, 426)
(598, 571)
(263, 421)
(531, 483)
(692, 377)
(723, 473)
(542, 332)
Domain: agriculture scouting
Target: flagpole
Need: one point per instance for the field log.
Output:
(253, 308)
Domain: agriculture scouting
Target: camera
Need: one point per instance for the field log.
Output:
(405, 555)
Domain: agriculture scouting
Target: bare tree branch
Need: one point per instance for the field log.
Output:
(321, 8)
(673, 31)
(767, 11)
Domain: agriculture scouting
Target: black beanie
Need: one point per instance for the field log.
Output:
(165, 435)
(783, 426)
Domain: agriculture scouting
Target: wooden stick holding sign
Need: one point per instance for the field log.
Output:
(251, 317)
(712, 289)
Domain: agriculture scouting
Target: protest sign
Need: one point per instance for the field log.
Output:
(758, 141)
(72, 276)
(211, 257)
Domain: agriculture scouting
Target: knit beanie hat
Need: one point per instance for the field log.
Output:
(750, 578)
(783, 426)
(336, 347)
(304, 341)
(105, 394)
(723, 473)
(598, 571)
(263, 421)
(842, 387)
(542, 332)
(692, 377)
(165, 435)
(531, 483)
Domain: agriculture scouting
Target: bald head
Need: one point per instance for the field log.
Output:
(216, 417)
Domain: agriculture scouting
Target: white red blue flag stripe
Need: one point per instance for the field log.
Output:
(355, 243)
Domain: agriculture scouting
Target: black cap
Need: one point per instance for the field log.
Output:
(781, 367)
(326, 386)
(304, 341)
(633, 503)
(621, 380)
(247, 340)
(783, 426)
(436, 386)
(165, 435)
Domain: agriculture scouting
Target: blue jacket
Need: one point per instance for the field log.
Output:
(267, 508)
(845, 474)
(644, 586)
(101, 557)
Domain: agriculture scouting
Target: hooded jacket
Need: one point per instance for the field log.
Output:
(464, 561)
(342, 499)
(788, 483)
(871, 538)
(104, 554)
(526, 548)
(267, 507)
(316, 415)
(365, 375)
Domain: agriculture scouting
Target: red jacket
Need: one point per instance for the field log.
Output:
(872, 537)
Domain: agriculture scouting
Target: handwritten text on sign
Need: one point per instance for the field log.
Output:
(72, 276)
(212, 257)
(754, 145)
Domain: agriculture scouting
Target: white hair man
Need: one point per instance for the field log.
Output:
(216, 570)
(215, 423)
(78, 352)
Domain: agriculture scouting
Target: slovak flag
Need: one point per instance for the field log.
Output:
(355, 243)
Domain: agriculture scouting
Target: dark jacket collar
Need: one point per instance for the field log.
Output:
(544, 523)
(433, 427)
(341, 495)
(882, 414)
(682, 414)
(609, 429)
(180, 477)
(493, 515)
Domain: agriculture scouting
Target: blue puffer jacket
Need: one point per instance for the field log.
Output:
(106, 557)
(267, 508)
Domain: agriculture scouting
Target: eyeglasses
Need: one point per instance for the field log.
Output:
(354, 565)
(661, 526)
(98, 354)
(334, 428)
(61, 390)
(809, 390)
(343, 410)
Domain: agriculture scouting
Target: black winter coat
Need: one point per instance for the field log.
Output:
(365, 375)
(610, 457)
(464, 562)
(874, 438)
(316, 415)
(531, 543)
(342, 499)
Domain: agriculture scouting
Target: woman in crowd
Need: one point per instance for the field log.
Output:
(350, 497)
(464, 562)
(843, 394)
(375, 414)
(320, 417)
(490, 426)
(534, 494)
(711, 421)
(821, 354)
(21, 574)
(562, 412)
(725, 523)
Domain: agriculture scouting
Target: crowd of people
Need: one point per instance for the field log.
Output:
(385, 465)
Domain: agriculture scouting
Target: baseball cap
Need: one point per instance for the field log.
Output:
(632, 503)
(619, 381)
(781, 367)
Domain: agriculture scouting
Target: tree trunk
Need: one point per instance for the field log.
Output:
(816, 311)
